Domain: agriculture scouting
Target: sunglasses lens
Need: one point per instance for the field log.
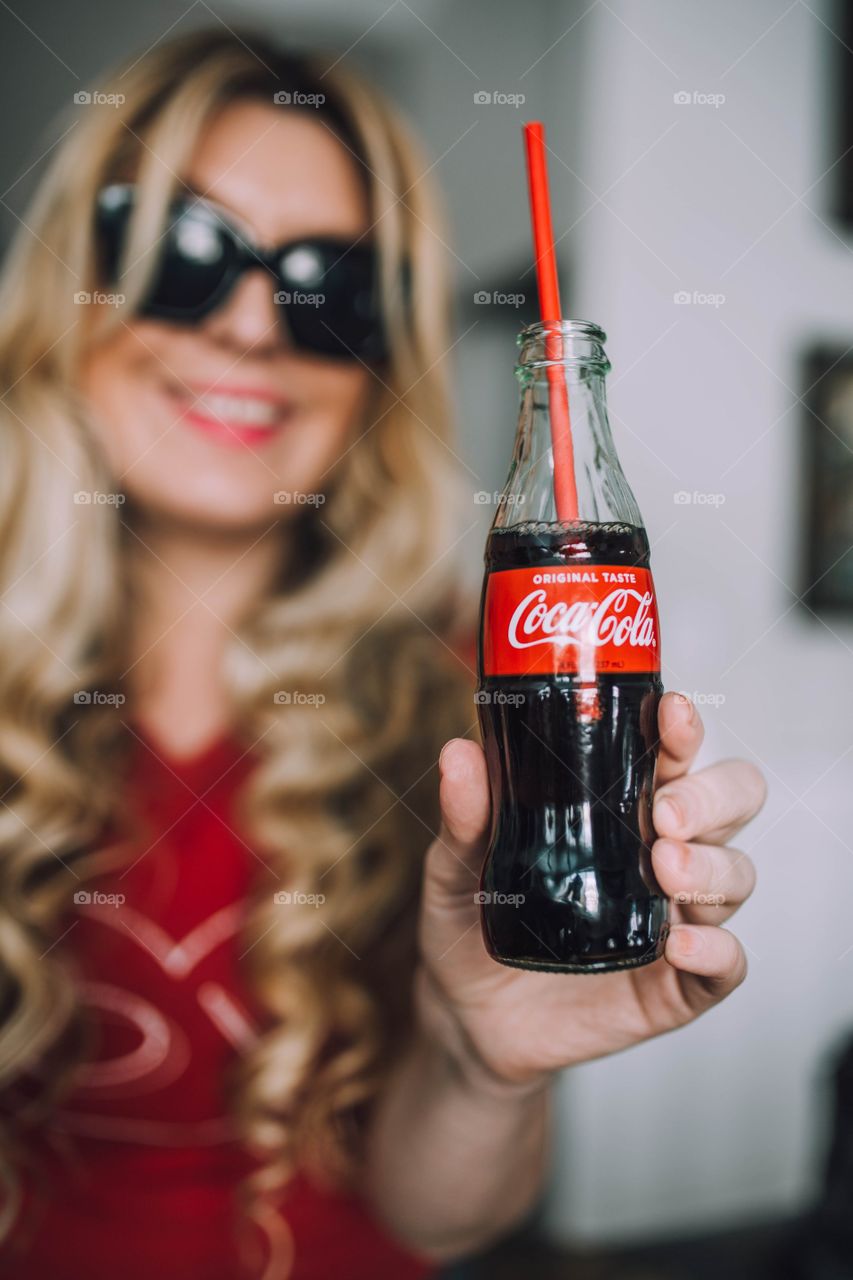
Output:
(193, 255)
(331, 299)
(113, 213)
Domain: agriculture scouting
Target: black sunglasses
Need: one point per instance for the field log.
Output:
(328, 288)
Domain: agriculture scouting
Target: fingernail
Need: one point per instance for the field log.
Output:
(668, 811)
(691, 708)
(690, 941)
(674, 855)
(444, 749)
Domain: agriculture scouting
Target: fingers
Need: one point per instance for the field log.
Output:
(711, 804)
(681, 732)
(711, 963)
(454, 858)
(706, 883)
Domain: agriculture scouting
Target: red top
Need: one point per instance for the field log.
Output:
(142, 1177)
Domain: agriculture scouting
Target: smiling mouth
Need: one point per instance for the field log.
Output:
(237, 417)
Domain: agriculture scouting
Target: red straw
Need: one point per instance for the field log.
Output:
(565, 489)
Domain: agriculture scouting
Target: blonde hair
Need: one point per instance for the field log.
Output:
(343, 800)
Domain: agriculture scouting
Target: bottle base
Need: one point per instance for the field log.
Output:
(591, 966)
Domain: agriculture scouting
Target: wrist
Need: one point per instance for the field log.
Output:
(444, 1038)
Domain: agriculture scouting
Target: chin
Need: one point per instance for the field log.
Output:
(230, 511)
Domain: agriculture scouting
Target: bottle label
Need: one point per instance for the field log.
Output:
(582, 620)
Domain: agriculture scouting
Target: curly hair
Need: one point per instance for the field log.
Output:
(342, 801)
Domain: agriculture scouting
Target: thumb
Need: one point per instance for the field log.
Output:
(455, 856)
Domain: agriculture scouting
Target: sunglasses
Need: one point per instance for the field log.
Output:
(327, 288)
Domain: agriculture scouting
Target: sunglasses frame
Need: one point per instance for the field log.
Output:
(244, 254)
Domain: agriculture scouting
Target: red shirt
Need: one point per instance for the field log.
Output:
(144, 1163)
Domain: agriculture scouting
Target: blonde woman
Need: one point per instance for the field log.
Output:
(249, 1027)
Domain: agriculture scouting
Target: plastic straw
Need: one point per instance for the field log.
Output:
(565, 488)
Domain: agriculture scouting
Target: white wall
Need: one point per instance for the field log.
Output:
(719, 1122)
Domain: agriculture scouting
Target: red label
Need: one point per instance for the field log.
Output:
(582, 620)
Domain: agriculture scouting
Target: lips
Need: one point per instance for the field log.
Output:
(230, 414)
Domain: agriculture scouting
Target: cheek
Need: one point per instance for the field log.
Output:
(106, 381)
(122, 382)
(342, 393)
(332, 419)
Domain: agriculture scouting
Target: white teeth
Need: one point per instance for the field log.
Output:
(239, 410)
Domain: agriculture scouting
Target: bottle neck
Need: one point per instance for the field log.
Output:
(566, 354)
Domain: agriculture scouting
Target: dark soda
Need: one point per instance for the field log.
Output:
(571, 742)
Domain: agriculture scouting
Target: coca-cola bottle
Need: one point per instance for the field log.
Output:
(569, 686)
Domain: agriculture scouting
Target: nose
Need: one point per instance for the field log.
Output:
(249, 318)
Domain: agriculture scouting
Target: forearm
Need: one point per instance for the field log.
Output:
(455, 1158)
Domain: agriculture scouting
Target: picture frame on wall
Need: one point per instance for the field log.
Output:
(827, 569)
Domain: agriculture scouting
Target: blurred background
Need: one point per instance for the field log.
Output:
(701, 180)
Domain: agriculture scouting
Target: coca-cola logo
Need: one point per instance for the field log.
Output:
(592, 618)
(623, 617)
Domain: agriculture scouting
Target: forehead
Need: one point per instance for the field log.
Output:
(282, 171)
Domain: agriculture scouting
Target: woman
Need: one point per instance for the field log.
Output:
(248, 1029)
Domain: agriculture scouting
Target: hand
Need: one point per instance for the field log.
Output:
(517, 1026)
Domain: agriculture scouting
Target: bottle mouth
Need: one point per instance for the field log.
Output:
(573, 343)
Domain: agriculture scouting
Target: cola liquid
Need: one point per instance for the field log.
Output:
(571, 742)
